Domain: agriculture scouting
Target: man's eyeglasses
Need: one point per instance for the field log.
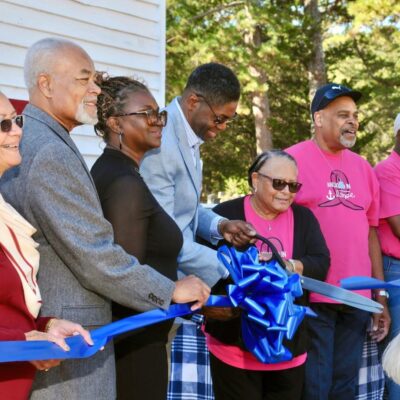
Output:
(219, 119)
(280, 184)
(6, 124)
(154, 117)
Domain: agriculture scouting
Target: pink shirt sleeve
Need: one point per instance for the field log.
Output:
(373, 210)
(389, 180)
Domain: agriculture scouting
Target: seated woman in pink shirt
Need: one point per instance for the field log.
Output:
(295, 232)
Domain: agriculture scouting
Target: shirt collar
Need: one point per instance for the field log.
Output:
(192, 138)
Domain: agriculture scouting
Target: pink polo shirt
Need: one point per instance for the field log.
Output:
(388, 174)
(343, 193)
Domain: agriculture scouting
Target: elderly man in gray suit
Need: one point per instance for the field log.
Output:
(173, 171)
(81, 267)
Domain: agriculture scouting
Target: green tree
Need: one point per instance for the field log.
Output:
(281, 51)
(264, 43)
(363, 50)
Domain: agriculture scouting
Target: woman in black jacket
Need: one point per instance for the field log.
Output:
(295, 232)
(130, 122)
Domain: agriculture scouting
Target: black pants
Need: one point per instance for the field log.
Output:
(141, 363)
(232, 383)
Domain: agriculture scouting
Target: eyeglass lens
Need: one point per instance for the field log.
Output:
(280, 184)
(154, 117)
(6, 124)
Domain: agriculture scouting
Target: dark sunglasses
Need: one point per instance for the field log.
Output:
(219, 119)
(6, 124)
(154, 117)
(280, 184)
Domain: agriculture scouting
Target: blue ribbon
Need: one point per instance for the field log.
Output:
(365, 282)
(43, 350)
(266, 294)
(262, 290)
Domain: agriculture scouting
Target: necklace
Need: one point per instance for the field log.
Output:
(260, 213)
(330, 167)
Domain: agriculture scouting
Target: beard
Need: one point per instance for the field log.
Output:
(347, 143)
(84, 117)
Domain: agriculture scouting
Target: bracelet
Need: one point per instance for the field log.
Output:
(49, 324)
(292, 265)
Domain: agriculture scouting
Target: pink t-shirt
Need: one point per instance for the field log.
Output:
(238, 358)
(280, 232)
(343, 193)
(388, 174)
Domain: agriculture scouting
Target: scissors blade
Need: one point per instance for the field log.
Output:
(341, 295)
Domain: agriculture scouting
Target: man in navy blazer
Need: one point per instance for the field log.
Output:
(174, 174)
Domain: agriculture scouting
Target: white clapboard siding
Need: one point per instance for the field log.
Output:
(124, 37)
(12, 66)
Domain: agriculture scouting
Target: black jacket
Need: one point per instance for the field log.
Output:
(309, 247)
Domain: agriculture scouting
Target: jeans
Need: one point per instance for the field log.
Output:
(391, 267)
(335, 353)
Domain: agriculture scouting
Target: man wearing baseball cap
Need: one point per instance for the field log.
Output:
(341, 189)
(388, 174)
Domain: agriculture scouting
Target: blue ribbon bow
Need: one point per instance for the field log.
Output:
(266, 294)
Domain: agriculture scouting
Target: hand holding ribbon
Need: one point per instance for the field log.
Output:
(45, 350)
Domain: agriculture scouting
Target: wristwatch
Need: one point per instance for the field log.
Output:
(382, 293)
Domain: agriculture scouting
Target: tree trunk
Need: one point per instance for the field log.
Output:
(316, 67)
(261, 113)
(260, 103)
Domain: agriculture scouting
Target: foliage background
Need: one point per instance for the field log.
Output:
(272, 45)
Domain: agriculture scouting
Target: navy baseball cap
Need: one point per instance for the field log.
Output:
(327, 93)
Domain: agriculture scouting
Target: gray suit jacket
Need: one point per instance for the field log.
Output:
(170, 173)
(81, 269)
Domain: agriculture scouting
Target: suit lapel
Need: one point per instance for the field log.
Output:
(178, 129)
(61, 132)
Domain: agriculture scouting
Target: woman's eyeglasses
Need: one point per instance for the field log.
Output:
(280, 184)
(6, 124)
(154, 117)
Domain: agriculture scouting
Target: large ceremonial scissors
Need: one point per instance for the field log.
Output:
(333, 292)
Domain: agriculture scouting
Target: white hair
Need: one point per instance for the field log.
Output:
(391, 359)
(40, 58)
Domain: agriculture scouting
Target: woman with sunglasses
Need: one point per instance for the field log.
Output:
(130, 123)
(20, 299)
(296, 234)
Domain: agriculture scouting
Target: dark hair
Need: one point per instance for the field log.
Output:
(262, 158)
(115, 92)
(216, 82)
